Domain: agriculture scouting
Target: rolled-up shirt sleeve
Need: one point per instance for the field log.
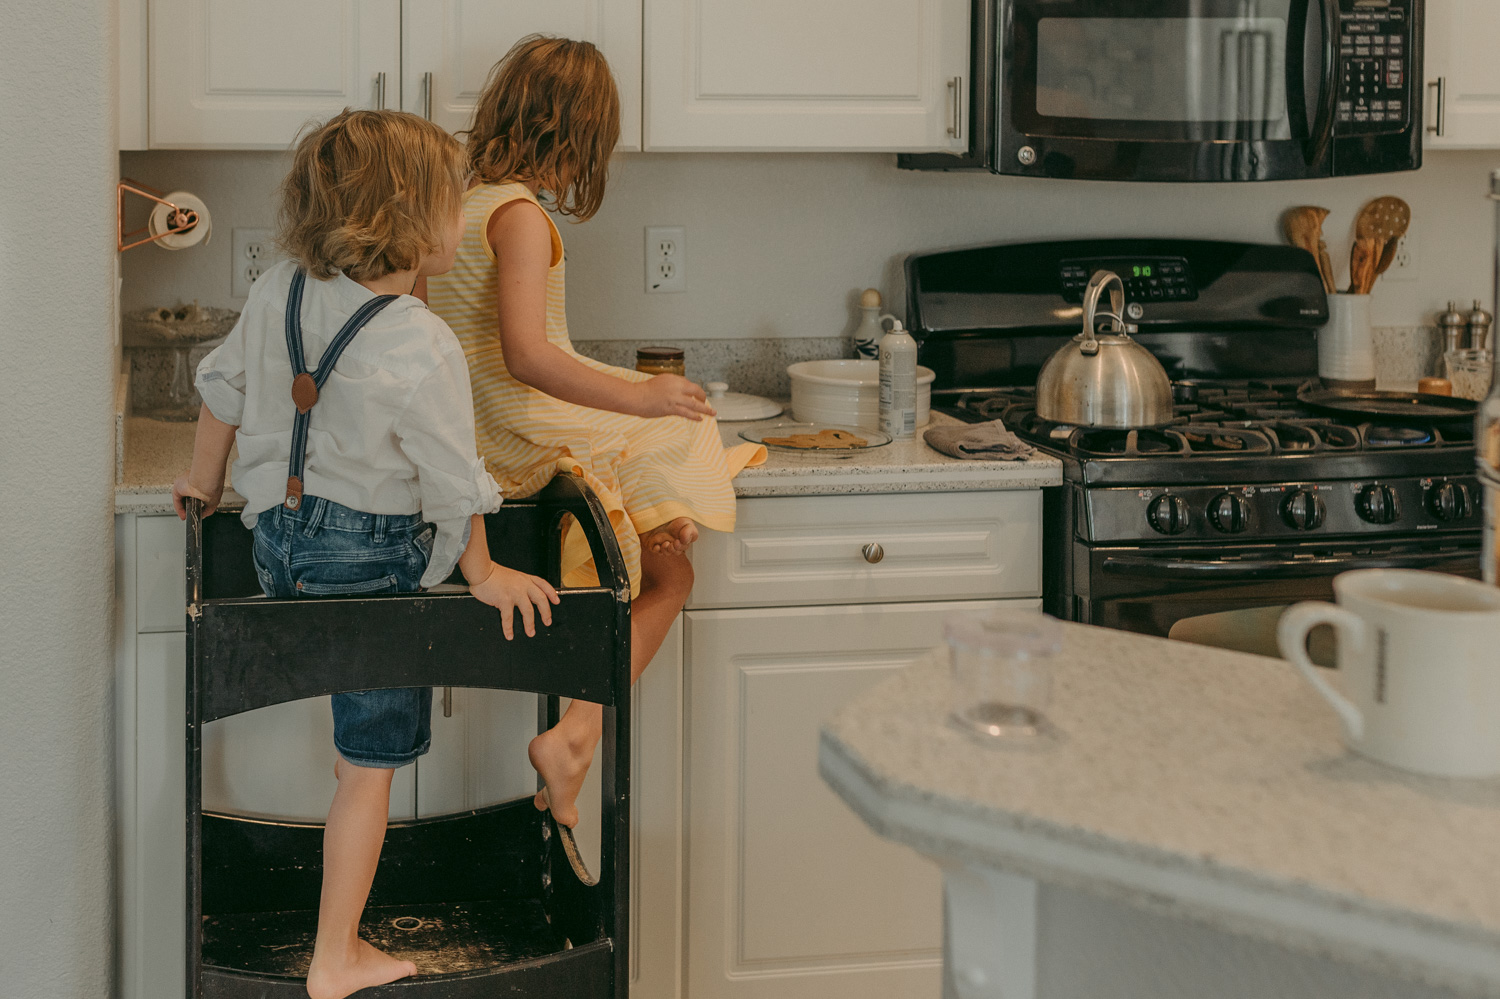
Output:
(221, 378)
(436, 431)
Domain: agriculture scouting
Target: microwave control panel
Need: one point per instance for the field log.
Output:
(1375, 49)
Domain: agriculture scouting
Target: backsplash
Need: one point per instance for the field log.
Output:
(1403, 354)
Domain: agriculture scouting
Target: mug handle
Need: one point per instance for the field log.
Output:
(1291, 635)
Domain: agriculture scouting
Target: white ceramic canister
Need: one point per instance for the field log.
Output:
(1346, 346)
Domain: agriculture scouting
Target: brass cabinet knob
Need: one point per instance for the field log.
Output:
(873, 552)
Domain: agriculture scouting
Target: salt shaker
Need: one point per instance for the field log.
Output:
(1479, 322)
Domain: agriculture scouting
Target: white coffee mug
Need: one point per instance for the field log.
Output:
(1419, 663)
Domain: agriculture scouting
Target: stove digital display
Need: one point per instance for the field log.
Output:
(1147, 279)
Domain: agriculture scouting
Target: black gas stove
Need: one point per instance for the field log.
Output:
(1248, 498)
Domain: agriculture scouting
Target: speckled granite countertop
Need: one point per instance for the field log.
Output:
(898, 467)
(156, 452)
(1206, 783)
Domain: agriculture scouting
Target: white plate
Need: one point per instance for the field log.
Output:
(786, 428)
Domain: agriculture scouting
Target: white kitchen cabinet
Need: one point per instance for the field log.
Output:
(231, 75)
(791, 896)
(227, 75)
(1463, 86)
(449, 46)
(798, 75)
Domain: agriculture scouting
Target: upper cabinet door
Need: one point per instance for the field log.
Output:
(450, 46)
(1463, 85)
(226, 74)
(807, 75)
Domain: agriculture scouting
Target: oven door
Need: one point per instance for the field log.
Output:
(1167, 90)
(1232, 597)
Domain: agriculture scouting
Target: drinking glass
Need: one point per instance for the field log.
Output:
(1002, 671)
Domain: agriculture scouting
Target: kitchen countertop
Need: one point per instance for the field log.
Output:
(1200, 782)
(156, 452)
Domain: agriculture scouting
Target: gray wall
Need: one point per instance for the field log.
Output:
(777, 245)
(57, 358)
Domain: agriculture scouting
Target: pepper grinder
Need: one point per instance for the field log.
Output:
(1453, 325)
(1479, 322)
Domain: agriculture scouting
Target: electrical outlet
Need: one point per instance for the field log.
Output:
(666, 259)
(1404, 263)
(252, 254)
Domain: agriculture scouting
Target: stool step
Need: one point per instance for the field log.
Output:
(439, 938)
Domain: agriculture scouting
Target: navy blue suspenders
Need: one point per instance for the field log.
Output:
(305, 384)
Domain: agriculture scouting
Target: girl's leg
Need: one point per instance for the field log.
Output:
(562, 754)
(342, 963)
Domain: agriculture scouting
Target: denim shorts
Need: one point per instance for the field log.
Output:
(324, 549)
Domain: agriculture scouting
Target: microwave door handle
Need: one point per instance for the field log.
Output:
(1321, 134)
(1262, 569)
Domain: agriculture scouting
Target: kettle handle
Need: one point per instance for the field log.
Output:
(1101, 279)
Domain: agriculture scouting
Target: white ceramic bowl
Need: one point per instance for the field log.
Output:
(848, 392)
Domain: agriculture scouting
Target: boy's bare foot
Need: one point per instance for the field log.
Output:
(563, 768)
(672, 538)
(336, 976)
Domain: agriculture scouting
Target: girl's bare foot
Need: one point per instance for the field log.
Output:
(334, 976)
(672, 538)
(563, 768)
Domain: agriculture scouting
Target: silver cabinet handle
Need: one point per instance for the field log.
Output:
(447, 702)
(1438, 125)
(873, 552)
(956, 129)
(380, 91)
(427, 96)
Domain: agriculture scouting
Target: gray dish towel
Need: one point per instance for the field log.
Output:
(988, 441)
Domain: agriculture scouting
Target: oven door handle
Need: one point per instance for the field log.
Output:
(1174, 568)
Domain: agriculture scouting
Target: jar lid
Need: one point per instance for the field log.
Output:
(1011, 634)
(659, 354)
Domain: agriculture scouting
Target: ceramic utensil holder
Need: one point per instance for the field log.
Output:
(1346, 347)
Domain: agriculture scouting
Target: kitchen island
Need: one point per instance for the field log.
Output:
(1198, 783)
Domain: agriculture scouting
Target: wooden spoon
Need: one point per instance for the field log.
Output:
(1386, 221)
(1363, 259)
(1303, 227)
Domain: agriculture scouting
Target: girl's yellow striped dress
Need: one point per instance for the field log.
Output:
(647, 472)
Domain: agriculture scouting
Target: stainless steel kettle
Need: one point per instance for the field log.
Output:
(1104, 379)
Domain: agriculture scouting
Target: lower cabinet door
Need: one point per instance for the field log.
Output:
(790, 895)
(478, 758)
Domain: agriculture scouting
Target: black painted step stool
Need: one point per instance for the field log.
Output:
(491, 902)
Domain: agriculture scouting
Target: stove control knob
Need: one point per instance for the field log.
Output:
(1168, 514)
(1450, 501)
(1378, 505)
(1229, 513)
(1302, 510)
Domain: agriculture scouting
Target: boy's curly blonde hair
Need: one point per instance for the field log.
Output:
(369, 193)
(550, 113)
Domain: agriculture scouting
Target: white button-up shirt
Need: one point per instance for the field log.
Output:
(393, 428)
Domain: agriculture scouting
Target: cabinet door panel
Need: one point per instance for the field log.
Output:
(791, 895)
(458, 41)
(808, 75)
(1460, 52)
(229, 75)
(160, 589)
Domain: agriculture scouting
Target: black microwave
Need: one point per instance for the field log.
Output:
(1192, 90)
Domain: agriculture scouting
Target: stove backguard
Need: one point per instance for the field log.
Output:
(990, 316)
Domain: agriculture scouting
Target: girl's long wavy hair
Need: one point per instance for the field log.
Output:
(370, 193)
(550, 114)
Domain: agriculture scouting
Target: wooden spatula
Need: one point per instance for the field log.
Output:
(1303, 227)
(1363, 259)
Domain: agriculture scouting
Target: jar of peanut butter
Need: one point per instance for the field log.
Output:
(661, 361)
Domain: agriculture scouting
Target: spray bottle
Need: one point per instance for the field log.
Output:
(898, 382)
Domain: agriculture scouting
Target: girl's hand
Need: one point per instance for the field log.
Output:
(673, 395)
(182, 489)
(508, 590)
